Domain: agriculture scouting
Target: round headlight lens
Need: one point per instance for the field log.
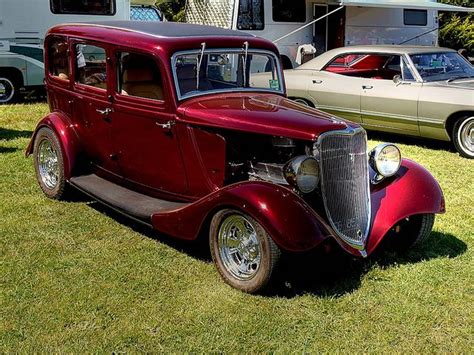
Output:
(303, 173)
(386, 159)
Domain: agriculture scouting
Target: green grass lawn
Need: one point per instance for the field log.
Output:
(75, 276)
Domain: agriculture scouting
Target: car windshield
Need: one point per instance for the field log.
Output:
(442, 66)
(225, 70)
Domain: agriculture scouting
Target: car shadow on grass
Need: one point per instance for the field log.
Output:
(319, 273)
(409, 140)
(11, 134)
(8, 150)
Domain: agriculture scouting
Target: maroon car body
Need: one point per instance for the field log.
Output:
(176, 161)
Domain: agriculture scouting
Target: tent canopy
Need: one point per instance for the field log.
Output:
(407, 4)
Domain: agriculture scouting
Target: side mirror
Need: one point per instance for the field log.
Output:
(397, 79)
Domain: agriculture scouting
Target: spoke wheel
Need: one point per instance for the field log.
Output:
(242, 251)
(49, 164)
(7, 90)
(463, 136)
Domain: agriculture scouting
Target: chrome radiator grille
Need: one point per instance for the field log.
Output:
(345, 183)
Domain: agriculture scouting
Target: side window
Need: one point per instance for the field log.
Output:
(415, 17)
(139, 76)
(250, 16)
(289, 10)
(58, 58)
(83, 7)
(91, 67)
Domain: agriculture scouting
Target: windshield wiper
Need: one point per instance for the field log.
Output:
(460, 77)
(199, 62)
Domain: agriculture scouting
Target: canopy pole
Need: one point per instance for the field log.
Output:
(308, 24)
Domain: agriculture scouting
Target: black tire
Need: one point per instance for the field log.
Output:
(55, 188)
(258, 276)
(9, 90)
(302, 101)
(410, 232)
(286, 62)
(462, 136)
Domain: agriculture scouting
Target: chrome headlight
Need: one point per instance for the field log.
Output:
(303, 173)
(385, 159)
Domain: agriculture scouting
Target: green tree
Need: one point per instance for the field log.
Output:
(457, 29)
(173, 9)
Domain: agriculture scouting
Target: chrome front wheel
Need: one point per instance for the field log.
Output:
(463, 136)
(48, 164)
(243, 252)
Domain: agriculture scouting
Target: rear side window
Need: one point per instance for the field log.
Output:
(91, 67)
(139, 76)
(83, 7)
(289, 10)
(58, 58)
(415, 17)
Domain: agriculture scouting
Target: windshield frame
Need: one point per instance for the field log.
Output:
(197, 51)
(415, 69)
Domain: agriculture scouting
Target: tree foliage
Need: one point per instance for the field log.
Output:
(457, 29)
(173, 9)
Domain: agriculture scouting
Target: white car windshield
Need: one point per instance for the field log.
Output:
(224, 71)
(442, 66)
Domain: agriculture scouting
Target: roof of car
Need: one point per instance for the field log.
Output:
(320, 61)
(167, 29)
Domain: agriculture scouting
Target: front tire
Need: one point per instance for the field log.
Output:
(463, 136)
(410, 232)
(49, 164)
(243, 252)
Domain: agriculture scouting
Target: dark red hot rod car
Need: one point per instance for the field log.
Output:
(165, 124)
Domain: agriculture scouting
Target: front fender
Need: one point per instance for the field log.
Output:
(413, 191)
(291, 223)
(64, 130)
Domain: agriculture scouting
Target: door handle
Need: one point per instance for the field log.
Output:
(317, 81)
(367, 87)
(166, 125)
(104, 112)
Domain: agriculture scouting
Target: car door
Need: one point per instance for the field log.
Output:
(391, 105)
(91, 106)
(144, 134)
(336, 94)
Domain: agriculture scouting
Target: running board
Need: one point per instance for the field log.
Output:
(123, 200)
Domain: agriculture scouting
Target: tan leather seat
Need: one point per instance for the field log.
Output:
(139, 82)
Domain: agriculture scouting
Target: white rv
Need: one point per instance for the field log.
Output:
(320, 25)
(23, 24)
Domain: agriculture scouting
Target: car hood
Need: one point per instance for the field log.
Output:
(260, 113)
(467, 84)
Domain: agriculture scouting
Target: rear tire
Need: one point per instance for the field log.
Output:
(411, 231)
(9, 90)
(463, 136)
(49, 164)
(244, 254)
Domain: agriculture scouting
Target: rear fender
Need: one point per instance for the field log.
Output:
(413, 191)
(291, 223)
(65, 131)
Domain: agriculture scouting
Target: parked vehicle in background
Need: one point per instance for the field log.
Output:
(340, 23)
(417, 91)
(23, 24)
(164, 124)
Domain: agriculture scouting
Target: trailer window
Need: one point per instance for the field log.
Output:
(58, 58)
(250, 15)
(91, 67)
(83, 7)
(415, 17)
(289, 10)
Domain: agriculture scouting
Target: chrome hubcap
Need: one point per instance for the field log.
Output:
(239, 248)
(466, 135)
(6, 90)
(48, 164)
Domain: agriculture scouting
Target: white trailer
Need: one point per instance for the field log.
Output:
(23, 24)
(296, 25)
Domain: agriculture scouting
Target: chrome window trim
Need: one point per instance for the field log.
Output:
(350, 132)
(223, 91)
